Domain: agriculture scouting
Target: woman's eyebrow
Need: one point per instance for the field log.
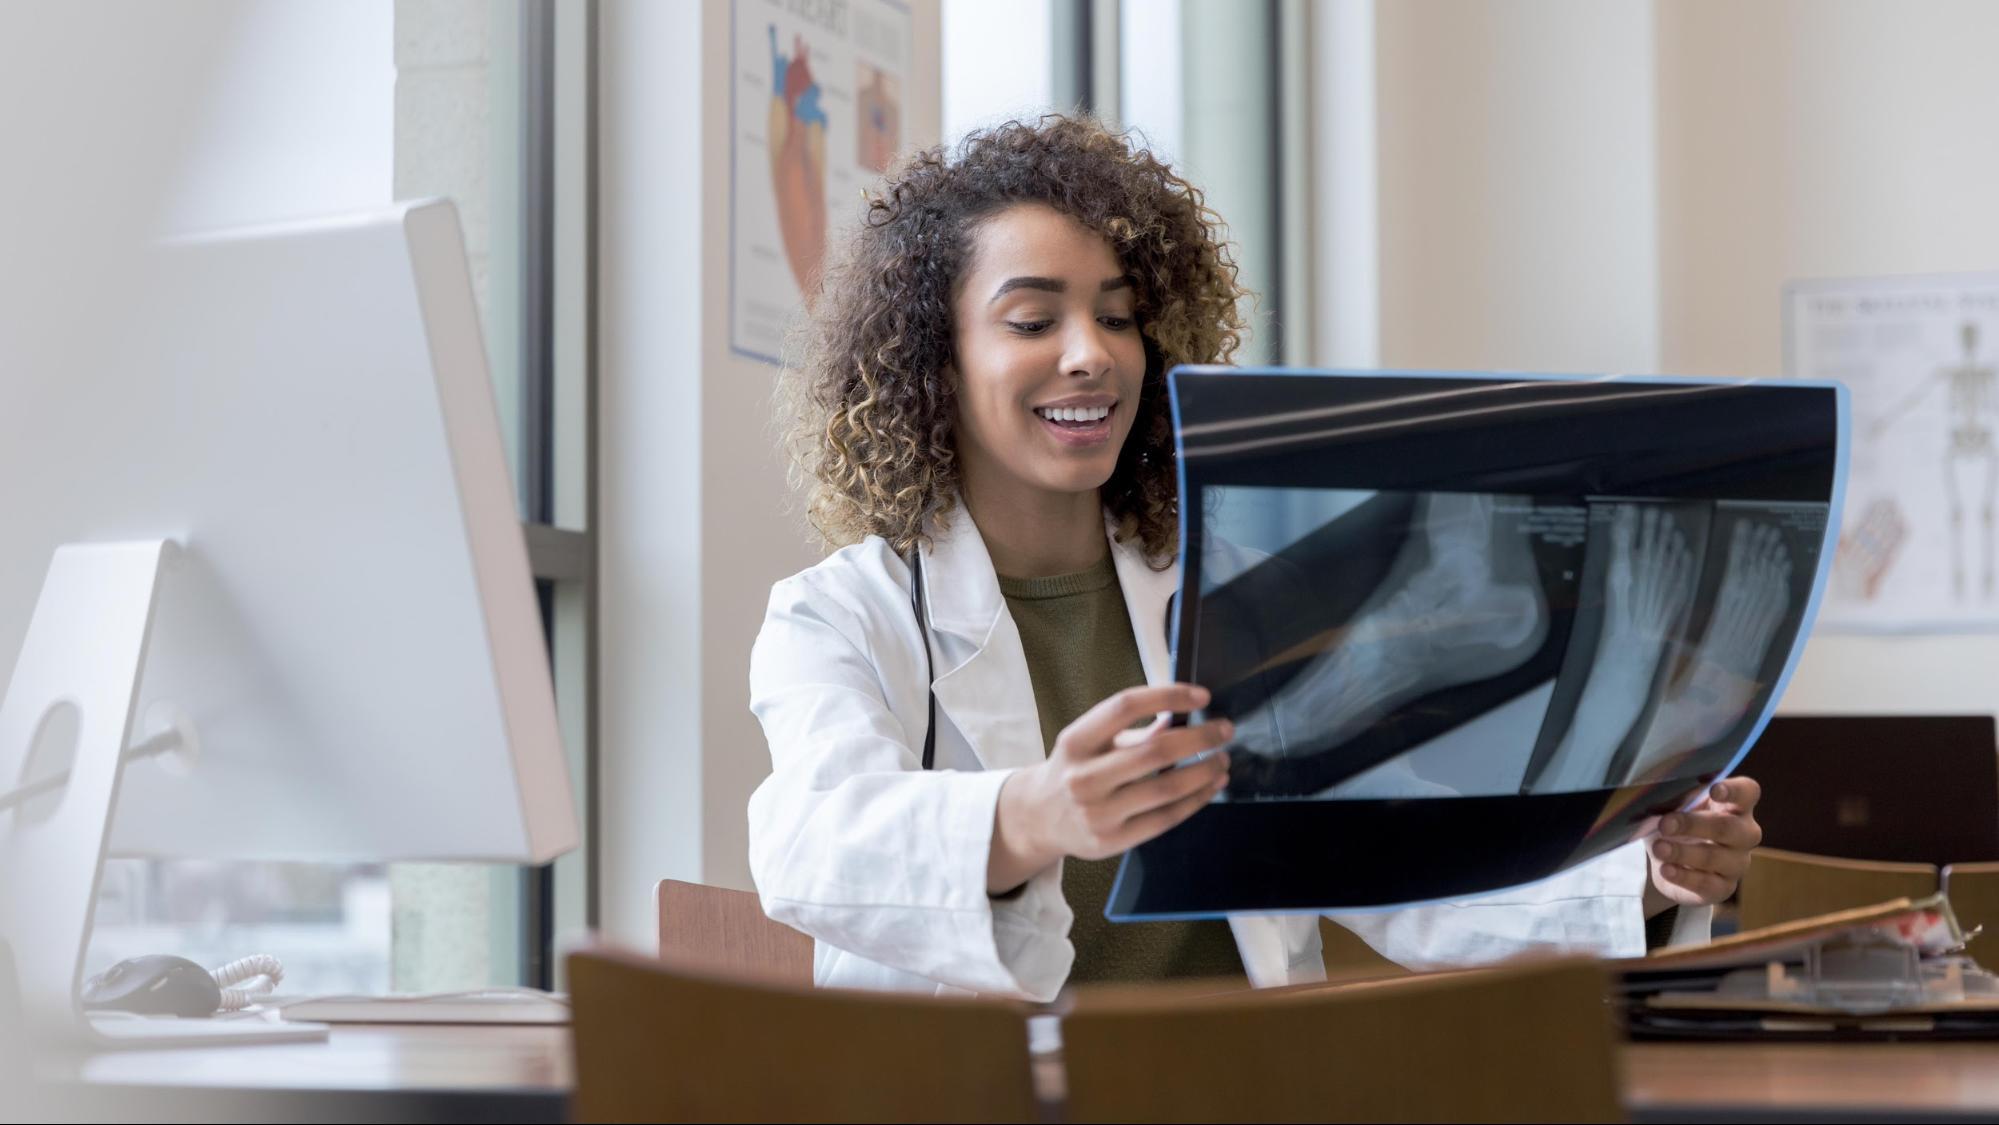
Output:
(1055, 285)
(1049, 284)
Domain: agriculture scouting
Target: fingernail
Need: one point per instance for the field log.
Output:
(1664, 850)
(1200, 696)
(1669, 870)
(1227, 730)
(1721, 792)
(1673, 825)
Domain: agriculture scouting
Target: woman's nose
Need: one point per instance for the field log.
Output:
(1085, 352)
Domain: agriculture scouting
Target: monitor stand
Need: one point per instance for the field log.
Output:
(69, 705)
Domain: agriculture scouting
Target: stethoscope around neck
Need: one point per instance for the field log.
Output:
(916, 603)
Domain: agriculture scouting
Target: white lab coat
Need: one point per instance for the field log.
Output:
(883, 863)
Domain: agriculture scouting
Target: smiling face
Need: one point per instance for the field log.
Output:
(1049, 360)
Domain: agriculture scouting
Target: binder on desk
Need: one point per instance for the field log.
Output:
(1896, 970)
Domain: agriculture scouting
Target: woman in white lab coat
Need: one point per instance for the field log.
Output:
(981, 422)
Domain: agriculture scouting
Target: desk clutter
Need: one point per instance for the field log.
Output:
(1896, 970)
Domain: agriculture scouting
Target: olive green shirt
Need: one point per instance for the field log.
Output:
(1080, 650)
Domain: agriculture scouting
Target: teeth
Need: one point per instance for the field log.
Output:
(1075, 413)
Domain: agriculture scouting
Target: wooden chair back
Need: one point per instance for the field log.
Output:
(727, 931)
(656, 1041)
(1973, 889)
(1783, 886)
(1526, 1042)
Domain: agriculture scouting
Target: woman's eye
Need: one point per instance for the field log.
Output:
(1115, 323)
(1029, 327)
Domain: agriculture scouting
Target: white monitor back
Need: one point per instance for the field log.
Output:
(351, 625)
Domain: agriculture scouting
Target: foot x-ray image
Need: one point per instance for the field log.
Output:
(1444, 611)
(1447, 611)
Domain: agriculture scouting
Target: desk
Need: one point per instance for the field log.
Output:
(523, 1074)
(363, 1072)
(1812, 1081)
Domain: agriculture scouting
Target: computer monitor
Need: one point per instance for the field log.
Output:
(278, 529)
(1901, 788)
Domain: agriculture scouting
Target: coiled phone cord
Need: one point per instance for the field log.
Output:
(258, 974)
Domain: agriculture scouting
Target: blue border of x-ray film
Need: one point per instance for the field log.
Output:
(1805, 622)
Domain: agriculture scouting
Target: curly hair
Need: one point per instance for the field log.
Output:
(870, 411)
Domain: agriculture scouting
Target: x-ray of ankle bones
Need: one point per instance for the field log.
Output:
(1465, 605)
(1457, 595)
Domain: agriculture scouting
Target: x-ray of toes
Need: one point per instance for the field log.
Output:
(1476, 627)
(1692, 610)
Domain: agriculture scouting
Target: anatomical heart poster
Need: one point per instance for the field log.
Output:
(1920, 549)
(815, 118)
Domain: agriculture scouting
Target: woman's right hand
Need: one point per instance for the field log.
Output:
(1101, 791)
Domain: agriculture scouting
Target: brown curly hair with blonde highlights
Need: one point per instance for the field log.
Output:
(871, 410)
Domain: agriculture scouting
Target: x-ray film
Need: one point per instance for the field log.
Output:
(1474, 630)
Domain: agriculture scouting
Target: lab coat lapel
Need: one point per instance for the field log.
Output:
(983, 689)
(1146, 595)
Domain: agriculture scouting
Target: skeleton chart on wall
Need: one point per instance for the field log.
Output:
(1920, 356)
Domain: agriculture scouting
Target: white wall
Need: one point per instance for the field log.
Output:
(695, 517)
(650, 485)
(1345, 171)
(211, 113)
(997, 62)
(97, 103)
(1150, 91)
(298, 116)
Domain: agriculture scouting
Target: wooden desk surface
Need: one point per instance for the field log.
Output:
(461, 1073)
(363, 1072)
(1909, 1081)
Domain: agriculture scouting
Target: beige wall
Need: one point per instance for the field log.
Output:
(1816, 138)
(1569, 185)
(1826, 138)
(1516, 195)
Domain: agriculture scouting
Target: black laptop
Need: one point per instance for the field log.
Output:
(1905, 788)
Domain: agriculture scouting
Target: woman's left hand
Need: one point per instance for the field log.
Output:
(1699, 856)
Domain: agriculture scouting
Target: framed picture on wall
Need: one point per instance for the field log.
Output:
(1918, 550)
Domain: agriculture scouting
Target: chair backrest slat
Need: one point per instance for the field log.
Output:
(1519, 1043)
(727, 930)
(658, 1041)
(1782, 886)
